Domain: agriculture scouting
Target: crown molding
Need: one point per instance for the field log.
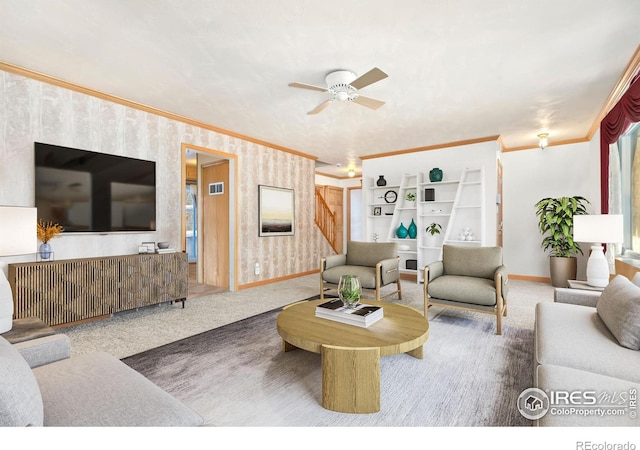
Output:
(431, 147)
(7, 67)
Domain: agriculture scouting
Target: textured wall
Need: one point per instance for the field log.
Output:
(31, 111)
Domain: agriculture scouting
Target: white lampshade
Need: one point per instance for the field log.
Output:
(598, 228)
(18, 235)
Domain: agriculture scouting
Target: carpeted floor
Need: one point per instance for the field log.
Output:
(237, 375)
(132, 332)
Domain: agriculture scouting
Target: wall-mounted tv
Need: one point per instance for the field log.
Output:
(86, 191)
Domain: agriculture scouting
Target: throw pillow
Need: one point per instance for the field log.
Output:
(619, 309)
(20, 399)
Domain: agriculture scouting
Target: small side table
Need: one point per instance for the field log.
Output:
(579, 284)
(27, 329)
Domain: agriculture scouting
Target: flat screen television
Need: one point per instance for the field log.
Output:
(86, 191)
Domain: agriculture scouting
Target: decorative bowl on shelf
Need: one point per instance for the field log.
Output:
(163, 245)
(404, 247)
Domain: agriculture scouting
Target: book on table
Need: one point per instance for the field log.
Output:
(362, 315)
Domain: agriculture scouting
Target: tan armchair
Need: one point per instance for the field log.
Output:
(376, 264)
(472, 278)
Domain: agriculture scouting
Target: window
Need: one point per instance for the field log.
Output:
(624, 188)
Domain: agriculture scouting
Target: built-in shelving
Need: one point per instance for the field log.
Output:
(457, 204)
(404, 214)
(462, 208)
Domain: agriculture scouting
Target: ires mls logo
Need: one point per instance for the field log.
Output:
(534, 403)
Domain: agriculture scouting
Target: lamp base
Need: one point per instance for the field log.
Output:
(597, 267)
(6, 300)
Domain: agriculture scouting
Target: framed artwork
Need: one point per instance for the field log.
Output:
(377, 211)
(276, 211)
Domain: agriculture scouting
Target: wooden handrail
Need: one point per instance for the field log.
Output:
(326, 220)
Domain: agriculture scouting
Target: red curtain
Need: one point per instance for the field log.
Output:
(615, 123)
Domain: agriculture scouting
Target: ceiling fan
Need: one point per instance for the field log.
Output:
(344, 86)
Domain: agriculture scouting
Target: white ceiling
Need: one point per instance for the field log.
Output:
(458, 70)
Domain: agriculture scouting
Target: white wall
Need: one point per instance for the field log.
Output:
(530, 175)
(452, 161)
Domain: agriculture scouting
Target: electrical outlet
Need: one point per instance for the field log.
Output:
(256, 269)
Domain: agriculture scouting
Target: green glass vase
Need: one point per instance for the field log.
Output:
(413, 230)
(402, 231)
(435, 175)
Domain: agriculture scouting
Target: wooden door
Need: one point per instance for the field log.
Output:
(215, 225)
(333, 195)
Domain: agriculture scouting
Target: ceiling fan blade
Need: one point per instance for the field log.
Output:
(368, 78)
(320, 107)
(368, 102)
(308, 86)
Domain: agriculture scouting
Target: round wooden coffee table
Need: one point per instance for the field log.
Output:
(351, 354)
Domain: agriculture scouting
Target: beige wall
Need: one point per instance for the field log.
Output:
(31, 110)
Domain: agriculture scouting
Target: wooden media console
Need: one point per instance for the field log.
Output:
(74, 290)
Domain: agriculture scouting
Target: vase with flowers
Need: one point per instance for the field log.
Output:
(46, 232)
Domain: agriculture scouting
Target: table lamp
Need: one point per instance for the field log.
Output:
(598, 228)
(18, 236)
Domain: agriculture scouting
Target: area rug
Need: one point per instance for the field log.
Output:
(237, 375)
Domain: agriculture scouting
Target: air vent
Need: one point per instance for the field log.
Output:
(216, 188)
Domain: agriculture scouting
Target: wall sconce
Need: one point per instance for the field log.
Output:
(543, 140)
(351, 173)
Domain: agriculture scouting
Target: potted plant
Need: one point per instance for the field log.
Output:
(410, 197)
(349, 290)
(433, 229)
(45, 232)
(555, 222)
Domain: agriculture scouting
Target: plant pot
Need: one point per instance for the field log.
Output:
(432, 240)
(562, 269)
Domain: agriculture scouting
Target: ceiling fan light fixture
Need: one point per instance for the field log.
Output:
(343, 85)
(543, 140)
(342, 96)
(351, 173)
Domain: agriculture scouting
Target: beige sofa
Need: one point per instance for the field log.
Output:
(587, 346)
(42, 386)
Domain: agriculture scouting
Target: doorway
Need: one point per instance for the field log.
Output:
(209, 213)
(214, 223)
(333, 197)
(499, 236)
(191, 216)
